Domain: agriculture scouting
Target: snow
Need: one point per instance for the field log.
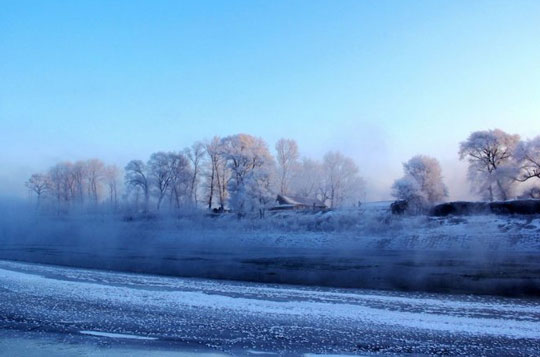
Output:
(457, 317)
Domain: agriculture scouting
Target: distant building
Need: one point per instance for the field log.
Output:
(286, 203)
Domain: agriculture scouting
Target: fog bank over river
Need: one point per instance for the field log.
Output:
(367, 248)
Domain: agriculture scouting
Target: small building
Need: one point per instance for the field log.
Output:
(286, 203)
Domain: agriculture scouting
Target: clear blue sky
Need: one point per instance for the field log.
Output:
(379, 80)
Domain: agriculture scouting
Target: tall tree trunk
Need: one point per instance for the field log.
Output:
(211, 194)
(146, 199)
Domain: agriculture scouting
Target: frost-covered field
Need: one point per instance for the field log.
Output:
(117, 310)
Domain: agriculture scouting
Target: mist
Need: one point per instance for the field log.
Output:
(359, 249)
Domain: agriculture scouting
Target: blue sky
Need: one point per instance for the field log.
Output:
(379, 80)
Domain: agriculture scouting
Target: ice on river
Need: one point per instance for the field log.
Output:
(256, 317)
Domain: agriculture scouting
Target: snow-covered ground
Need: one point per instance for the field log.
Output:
(100, 308)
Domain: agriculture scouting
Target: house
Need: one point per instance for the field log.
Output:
(286, 203)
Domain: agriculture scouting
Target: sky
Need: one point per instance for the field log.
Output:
(379, 80)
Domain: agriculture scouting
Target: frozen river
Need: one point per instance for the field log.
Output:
(68, 311)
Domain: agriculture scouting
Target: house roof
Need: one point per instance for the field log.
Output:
(298, 201)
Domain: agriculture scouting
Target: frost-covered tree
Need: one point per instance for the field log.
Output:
(422, 183)
(527, 156)
(491, 170)
(342, 184)
(306, 180)
(287, 160)
(426, 171)
(136, 179)
(259, 186)
(246, 156)
(408, 190)
(335, 181)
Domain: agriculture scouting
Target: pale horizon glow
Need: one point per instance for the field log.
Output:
(381, 81)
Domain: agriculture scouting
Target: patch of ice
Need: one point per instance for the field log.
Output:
(253, 352)
(116, 335)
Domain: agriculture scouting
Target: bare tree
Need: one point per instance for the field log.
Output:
(287, 160)
(223, 177)
(38, 184)
(195, 154)
(95, 169)
(62, 182)
(79, 177)
(160, 173)
(489, 154)
(111, 175)
(136, 177)
(181, 176)
(70, 183)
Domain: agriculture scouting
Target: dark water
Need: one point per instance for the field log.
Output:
(516, 273)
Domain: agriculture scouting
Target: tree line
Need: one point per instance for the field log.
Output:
(498, 166)
(80, 183)
(237, 173)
